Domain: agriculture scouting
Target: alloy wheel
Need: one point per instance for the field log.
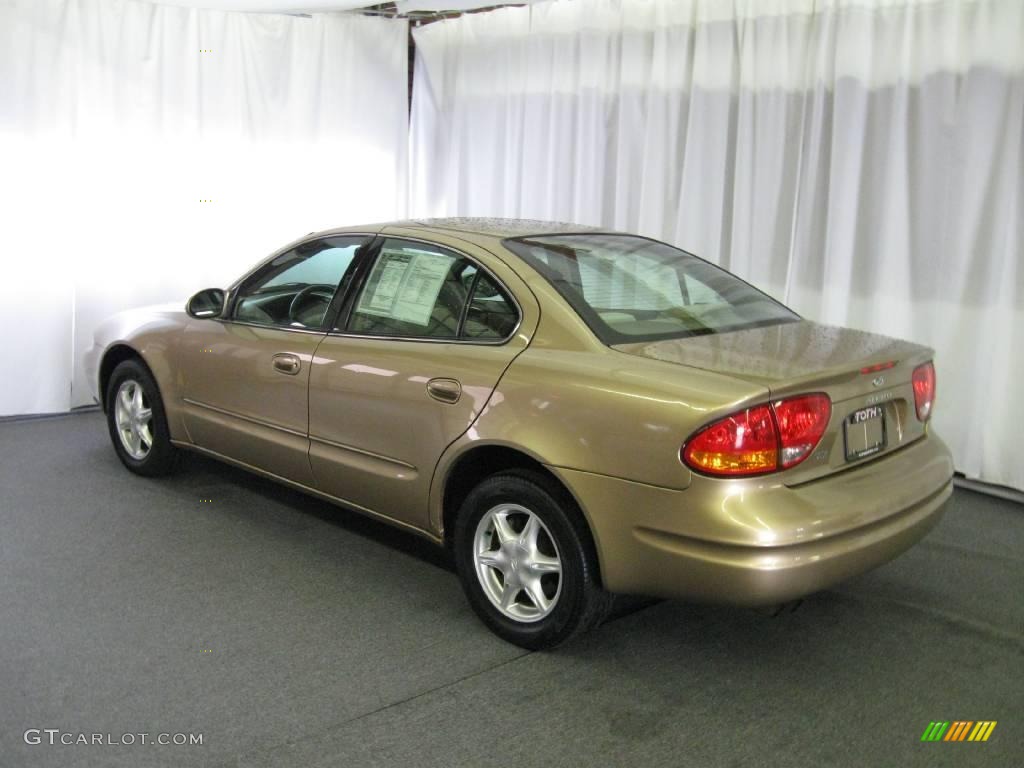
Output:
(133, 417)
(517, 563)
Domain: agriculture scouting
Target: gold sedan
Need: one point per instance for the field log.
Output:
(574, 412)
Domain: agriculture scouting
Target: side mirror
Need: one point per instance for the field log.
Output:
(206, 304)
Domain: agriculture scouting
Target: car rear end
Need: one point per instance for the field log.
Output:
(876, 405)
(828, 469)
(759, 541)
(827, 476)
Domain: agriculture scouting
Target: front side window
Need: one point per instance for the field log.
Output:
(296, 288)
(418, 290)
(629, 288)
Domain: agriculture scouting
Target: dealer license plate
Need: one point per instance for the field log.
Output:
(864, 432)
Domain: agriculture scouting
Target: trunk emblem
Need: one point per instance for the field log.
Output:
(878, 381)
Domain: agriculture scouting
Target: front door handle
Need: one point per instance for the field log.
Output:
(285, 363)
(446, 390)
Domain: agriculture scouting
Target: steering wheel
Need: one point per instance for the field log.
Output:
(323, 291)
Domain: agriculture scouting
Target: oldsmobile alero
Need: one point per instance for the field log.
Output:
(575, 412)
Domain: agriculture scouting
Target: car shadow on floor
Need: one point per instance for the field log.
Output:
(301, 503)
(347, 519)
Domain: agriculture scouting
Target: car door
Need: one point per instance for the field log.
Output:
(246, 374)
(415, 356)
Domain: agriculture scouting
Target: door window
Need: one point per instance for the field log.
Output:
(295, 289)
(417, 290)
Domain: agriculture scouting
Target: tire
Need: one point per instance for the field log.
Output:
(132, 379)
(569, 602)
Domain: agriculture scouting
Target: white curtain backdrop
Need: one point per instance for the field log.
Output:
(861, 160)
(149, 151)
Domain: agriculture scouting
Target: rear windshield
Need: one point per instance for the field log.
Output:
(628, 288)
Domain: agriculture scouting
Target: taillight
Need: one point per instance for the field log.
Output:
(744, 443)
(764, 438)
(802, 421)
(924, 390)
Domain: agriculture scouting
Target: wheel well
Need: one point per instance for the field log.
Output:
(113, 357)
(479, 463)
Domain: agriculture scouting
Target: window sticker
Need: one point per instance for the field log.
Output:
(405, 285)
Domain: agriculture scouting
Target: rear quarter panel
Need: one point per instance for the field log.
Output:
(600, 412)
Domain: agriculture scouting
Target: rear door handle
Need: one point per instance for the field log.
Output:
(286, 363)
(446, 390)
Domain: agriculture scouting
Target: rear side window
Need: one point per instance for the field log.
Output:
(418, 290)
(490, 314)
(629, 288)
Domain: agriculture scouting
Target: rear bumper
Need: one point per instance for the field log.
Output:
(751, 542)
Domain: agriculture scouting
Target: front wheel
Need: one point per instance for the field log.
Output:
(136, 421)
(526, 562)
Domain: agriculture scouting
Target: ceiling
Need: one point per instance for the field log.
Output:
(275, 6)
(297, 6)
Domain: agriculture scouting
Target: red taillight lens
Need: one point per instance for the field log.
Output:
(924, 390)
(761, 439)
(802, 421)
(744, 443)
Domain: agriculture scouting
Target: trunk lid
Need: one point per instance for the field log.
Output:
(803, 357)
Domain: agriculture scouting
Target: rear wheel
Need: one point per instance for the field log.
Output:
(526, 562)
(136, 421)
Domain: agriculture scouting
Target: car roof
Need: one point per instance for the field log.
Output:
(505, 227)
(488, 227)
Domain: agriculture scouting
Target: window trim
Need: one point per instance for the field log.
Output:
(366, 266)
(470, 296)
(330, 316)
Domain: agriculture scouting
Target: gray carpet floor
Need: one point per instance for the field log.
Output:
(289, 632)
